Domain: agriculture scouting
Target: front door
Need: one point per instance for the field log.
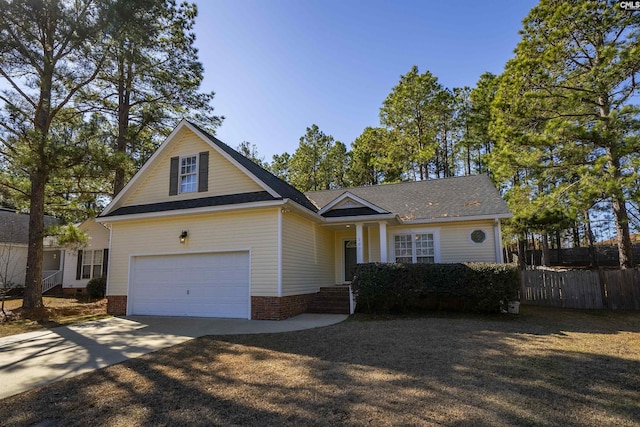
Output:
(350, 259)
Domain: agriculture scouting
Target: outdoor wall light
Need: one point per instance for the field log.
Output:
(183, 236)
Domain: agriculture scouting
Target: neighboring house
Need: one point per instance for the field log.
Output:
(69, 268)
(201, 230)
(14, 240)
(91, 261)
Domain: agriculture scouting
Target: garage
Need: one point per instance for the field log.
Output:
(197, 285)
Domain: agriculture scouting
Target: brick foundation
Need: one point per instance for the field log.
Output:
(279, 308)
(117, 305)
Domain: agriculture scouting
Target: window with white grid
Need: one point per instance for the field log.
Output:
(425, 250)
(92, 264)
(188, 177)
(415, 248)
(403, 248)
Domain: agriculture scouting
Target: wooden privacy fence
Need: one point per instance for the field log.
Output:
(613, 289)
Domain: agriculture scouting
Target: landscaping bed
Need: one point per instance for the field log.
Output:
(542, 367)
(57, 311)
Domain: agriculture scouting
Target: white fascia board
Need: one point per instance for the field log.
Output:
(457, 219)
(348, 195)
(133, 181)
(224, 154)
(359, 218)
(180, 212)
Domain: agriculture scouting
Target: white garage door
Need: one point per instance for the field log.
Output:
(200, 285)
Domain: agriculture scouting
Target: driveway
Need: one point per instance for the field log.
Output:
(37, 358)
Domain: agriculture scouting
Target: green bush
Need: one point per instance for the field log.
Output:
(384, 288)
(97, 287)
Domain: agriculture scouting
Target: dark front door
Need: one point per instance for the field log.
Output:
(350, 259)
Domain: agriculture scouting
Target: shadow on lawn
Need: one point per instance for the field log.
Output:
(420, 371)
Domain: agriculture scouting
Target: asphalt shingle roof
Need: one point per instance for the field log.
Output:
(462, 196)
(14, 227)
(232, 199)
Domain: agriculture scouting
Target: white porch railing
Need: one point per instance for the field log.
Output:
(51, 278)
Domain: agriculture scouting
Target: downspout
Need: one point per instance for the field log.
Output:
(279, 250)
(497, 235)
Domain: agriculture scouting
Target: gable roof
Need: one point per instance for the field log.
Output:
(455, 197)
(284, 189)
(14, 226)
(274, 186)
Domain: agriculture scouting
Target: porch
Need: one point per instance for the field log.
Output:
(52, 266)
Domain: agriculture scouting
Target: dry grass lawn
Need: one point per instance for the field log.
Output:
(57, 311)
(544, 367)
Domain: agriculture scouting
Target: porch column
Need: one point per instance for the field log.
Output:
(383, 242)
(359, 251)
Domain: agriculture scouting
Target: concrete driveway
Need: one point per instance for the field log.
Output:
(37, 358)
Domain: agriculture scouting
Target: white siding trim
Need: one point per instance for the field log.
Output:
(279, 243)
(497, 233)
(109, 265)
(348, 195)
(456, 219)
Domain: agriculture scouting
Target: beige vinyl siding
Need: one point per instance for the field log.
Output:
(214, 232)
(224, 177)
(455, 241)
(307, 255)
(456, 244)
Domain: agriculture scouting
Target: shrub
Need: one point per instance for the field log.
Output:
(383, 288)
(97, 287)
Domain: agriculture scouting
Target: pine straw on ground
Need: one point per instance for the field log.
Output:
(57, 311)
(544, 367)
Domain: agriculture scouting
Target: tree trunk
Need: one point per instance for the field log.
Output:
(620, 213)
(593, 256)
(625, 250)
(522, 253)
(559, 247)
(545, 261)
(124, 108)
(33, 280)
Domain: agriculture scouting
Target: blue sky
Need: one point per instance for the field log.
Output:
(279, 66)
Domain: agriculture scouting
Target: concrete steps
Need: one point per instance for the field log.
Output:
(331, 300)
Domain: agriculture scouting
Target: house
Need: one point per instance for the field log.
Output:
(69, 268)
(14, 241)
(88, 262)
(201, 230)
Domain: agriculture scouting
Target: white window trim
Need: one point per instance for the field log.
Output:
(486, 235)
(180, 175)
(413, 231)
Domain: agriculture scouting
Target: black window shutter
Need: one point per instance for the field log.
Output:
(79, 266)
(173, 176)
(105, 262)
(203, 172)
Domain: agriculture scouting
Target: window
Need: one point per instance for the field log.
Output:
(415, 248)
(91, 264)
(478, 236)
(188, 177)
